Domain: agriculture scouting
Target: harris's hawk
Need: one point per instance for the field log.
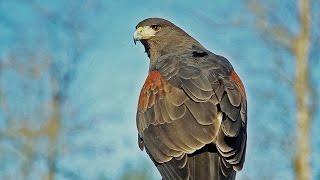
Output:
(192, 109)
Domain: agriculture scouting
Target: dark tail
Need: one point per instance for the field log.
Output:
(210, 166)
(205, 164)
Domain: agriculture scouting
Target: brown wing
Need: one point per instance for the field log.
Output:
(186, 104)
(232, 136)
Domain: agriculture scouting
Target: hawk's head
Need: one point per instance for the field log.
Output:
(152, 28)
(160, 36)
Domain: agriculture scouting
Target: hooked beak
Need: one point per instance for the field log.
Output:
(138, 34)
(144, 32)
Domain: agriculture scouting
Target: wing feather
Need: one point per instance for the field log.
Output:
(202, 118)
(186, 105)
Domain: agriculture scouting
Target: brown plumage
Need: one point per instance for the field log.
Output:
(192, 109)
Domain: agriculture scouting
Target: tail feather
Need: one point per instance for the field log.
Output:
(205, 164)
(175, 169)
(209, 166)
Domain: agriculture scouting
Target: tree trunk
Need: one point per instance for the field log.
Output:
(302, 90)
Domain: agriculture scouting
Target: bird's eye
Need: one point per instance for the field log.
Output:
(155, 27)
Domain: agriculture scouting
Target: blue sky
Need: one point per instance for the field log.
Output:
(103, 95)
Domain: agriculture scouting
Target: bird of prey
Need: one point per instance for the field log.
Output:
(192, 109)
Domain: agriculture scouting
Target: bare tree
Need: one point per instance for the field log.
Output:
(297, 44)
(25, 130)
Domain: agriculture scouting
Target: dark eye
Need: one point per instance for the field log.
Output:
(155, 27)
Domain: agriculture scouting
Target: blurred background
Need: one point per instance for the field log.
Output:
(70, 76)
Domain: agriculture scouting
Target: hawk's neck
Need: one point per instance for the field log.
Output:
(155, 49)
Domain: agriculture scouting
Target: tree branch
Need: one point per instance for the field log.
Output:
(276, 33)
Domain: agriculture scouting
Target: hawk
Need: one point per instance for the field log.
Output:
(192, 109)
